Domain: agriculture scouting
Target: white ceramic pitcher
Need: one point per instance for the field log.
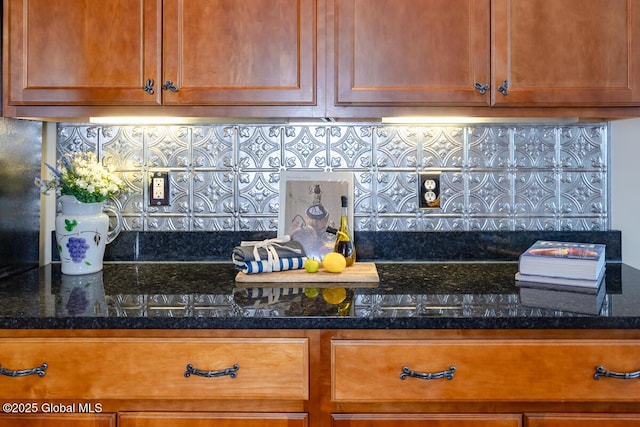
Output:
(82, 233)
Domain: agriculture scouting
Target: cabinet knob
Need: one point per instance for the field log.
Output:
(38, 370)
(148, 87)
(232, 372)
(448, 374)
(602, 372)
(170, 86)
(504, 88)
(481, 88)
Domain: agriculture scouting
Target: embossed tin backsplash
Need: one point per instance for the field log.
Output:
(226, 177)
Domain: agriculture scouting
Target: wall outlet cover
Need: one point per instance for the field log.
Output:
(159, 189)
(429, 190)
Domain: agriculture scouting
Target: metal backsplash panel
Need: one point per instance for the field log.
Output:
(20, 154)
(494, 177)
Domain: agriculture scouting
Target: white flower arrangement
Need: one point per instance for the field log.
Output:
(81, 175)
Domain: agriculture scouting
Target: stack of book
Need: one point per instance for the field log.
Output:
(563, 276)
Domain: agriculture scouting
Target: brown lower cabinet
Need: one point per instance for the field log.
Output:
(62, 420)
(427, 420)
(162, 419)
(320, 378)
(581, 420)
(484, 420)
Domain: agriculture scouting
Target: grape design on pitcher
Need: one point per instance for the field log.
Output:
(77, 247)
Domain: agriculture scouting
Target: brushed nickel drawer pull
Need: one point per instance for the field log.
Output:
(39, 371)
(448, 374)
(601, 372)
(232, 372)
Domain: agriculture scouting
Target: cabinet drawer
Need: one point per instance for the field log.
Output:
(54, 420)
(103, 368)
(426, 420)
(483, 370)
(581, 420)
(168, 419)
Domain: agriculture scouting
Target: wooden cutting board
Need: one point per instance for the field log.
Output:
(360, 272)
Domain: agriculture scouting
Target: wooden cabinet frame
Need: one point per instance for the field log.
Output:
(320, 408)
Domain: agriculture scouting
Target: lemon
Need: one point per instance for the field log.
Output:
(334, 262)
(312, 265)
(334, 295)
(311, 292)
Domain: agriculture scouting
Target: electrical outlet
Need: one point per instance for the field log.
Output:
(429, 190)
(159, 189)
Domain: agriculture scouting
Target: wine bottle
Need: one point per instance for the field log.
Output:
(344, 241)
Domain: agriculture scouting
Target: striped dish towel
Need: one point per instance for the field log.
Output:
(268, 266)
(269, 255)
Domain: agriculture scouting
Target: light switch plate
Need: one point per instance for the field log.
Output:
(159, 189)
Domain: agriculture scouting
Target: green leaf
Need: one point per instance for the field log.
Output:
(70, 225)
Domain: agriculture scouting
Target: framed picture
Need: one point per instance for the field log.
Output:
(311, 201)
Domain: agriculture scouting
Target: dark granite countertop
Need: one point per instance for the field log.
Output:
(201, 295)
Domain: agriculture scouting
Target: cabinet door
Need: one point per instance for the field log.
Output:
(566, 52)
(427, 420)
(167, 419)
(582, 420)
(411, 52)
(230, 52)
(82, 52)
(70, 420)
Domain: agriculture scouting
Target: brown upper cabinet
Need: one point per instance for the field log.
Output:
(514, 53)
(155, 52)
(238, 52)
(412, 52)
(321, 58)
(72, 52)
(566, 52)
